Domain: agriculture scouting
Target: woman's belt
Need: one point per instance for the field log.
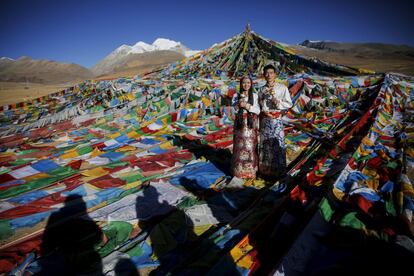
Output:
(274, 114)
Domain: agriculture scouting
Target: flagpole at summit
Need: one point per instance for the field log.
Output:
(248, 29)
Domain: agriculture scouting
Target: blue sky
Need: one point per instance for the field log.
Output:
(86, 31)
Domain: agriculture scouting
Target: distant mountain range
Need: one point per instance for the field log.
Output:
(371, 49)
(26, 69)
(129, 60)
(374, 56)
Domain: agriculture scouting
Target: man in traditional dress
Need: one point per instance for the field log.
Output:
(274, 99)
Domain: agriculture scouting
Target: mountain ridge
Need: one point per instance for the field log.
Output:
(44, 71)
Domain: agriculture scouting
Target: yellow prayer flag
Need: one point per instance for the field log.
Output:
(239, 254)
(126, 148)
(167, 145)
(114, 135)
(132, 185)
(95, 172)
(72, 153)
(338, 193)
(130, 96)
(206, 101)
(35, 176)
(96, 152)
(133, 134)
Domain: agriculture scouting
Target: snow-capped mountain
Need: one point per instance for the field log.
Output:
(6, 58)
(125, 53)
(158, 45)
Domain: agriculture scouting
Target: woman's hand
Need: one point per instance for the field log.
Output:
(245, 105)
(267, 114)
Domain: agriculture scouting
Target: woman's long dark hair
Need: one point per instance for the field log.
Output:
(239, 115)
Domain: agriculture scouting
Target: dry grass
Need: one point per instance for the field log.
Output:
(129, 72)
(14, 92)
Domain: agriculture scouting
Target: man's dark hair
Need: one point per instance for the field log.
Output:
(269, 66)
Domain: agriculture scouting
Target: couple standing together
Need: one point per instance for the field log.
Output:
(268, 104)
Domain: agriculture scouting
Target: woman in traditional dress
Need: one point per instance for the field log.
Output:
(275, 100)
(245, 155)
